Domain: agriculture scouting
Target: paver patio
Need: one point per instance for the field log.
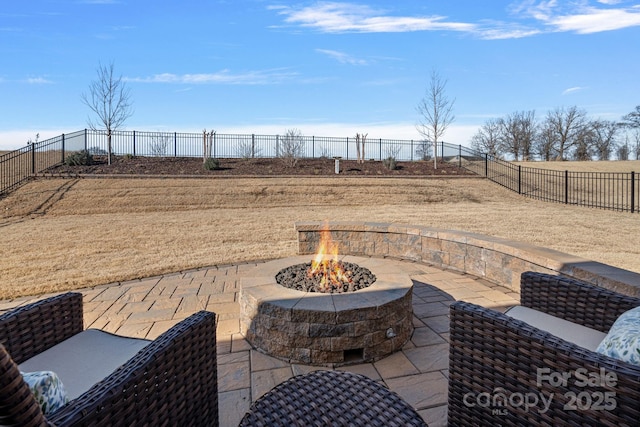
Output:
(146, 308)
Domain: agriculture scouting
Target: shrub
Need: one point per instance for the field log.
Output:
(159, 144)
(79, 158)
(247, 149)
(390, 163)
(211, 164)
(291, 147)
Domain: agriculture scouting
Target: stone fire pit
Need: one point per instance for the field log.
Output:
(327, 329)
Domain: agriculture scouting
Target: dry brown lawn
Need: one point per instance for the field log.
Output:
(59, 234)
(608, 166)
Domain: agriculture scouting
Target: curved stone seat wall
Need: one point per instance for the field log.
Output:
(498, 260)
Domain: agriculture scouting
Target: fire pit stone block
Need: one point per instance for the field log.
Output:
(327, 329)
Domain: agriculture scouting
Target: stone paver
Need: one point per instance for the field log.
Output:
(146, 308)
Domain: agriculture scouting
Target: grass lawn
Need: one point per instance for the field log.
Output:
(59, 234)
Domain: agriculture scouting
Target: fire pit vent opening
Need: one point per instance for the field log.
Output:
(354, 355)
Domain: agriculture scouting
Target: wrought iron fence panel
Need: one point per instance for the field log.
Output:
(605, 190)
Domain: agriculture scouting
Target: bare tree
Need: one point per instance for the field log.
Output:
(517, 133)
(110, 99)
(546, 141)
(159, 144)
(632, 120)
(360, 141)
(208, 139)
(636, 144)
(435, 112)
(583, 149)
(291, 147)
(623, 150)
(568, 126)
(487, 139)
(603, 137)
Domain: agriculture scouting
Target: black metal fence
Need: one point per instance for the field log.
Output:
(19, 165)
(619, 191)
(177, 144)
(605, 190)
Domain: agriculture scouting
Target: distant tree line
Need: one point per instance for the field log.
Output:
(563, 134)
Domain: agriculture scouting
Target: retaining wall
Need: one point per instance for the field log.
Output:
(498, 260)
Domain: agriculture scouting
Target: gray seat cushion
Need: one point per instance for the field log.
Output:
(84, 359)
(579, 335)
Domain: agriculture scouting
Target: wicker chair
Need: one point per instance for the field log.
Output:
(170, 381)
(495, 362)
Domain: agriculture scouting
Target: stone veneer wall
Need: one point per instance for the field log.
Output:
(498, 260)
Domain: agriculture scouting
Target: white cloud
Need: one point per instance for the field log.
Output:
(342, 57)
(38, 81)
(580, 17)
(221, 77)
(505, 31)
(333, 17)
(547, 15)
(572, 90)
(593, 20)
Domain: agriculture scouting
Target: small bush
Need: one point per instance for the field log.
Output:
(247, 149)
(390, 163)
(291, 147)
(392, 154)
(211, 164)
(79, 158)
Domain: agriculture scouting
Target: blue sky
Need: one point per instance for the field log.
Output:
(328, 68)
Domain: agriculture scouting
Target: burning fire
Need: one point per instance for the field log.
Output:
(326, 263)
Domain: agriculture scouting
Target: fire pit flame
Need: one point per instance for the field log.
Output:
(327, 265)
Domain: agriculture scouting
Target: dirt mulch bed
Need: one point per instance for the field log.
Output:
(186, 166)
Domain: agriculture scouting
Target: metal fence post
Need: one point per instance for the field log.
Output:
(411, 150)
(175, 144)
(33, 158)
(313, 147)
(486, 165)
(85, 139)
(380, 149)
(519, 179)
(459, 156)
(62, 158)
(253, 145)
(566, 187)
(134, 143)
(633, 191)
(347, 156)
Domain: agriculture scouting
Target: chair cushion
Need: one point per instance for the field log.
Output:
(47, 389)
(85, 359)
(623, 340)
(572, 332)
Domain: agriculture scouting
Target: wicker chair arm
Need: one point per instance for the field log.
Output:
(496, 361)
(18, 406)
(172, 381)
(36, 327)
(574, 300)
